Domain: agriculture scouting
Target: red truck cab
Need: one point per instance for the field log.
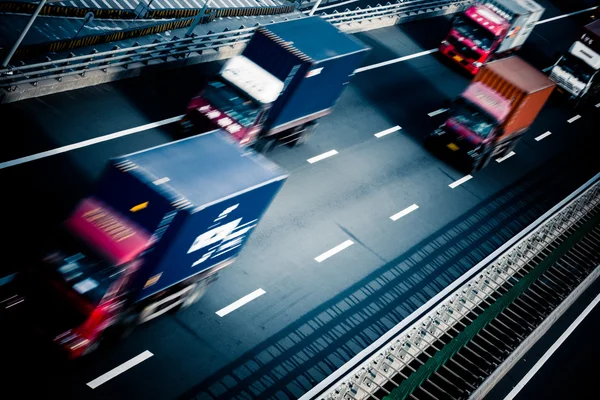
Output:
(78, 290)
(238, 101)
(474, 37)
(472, 128)
(476, 114)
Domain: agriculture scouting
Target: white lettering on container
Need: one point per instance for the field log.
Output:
(223, 238)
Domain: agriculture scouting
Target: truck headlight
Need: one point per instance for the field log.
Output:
(474, 153)
(438, 132)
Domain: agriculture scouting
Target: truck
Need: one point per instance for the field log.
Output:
(489, 29)
(489, 118)
(576, 72)
(153, 235)
(289, 75)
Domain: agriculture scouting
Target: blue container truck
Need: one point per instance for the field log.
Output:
(150, 239)
(289, 75)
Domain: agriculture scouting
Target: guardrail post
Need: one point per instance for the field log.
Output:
(106, 64)
(22, 36)
(130, 53)
(70, 55)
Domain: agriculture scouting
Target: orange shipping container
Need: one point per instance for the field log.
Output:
(527, 88)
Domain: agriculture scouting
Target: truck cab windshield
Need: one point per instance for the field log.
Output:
(232, 102)
(471, 30)
(473, 118)
(576, 67)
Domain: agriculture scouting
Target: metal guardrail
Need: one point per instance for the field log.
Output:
(381, 362)
(399, 9)
(79, 65)
(178, 48)
(60, 10)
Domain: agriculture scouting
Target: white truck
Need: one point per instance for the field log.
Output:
(576, 72)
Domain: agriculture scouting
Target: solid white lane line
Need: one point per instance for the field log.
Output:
(575, 118)
(334, 251)
(542, 136)
(460, 181)
(565, 15)
(14, 304)
(395, 60)
(120, 369)
(387, 131)
(438, 112)
(89, 142)
(160, 181)
(237, 304)
(336, 5)
(322, 156)
(598, 105)
(404, 212)
(552, 349)
(506, 157)
(7, 279)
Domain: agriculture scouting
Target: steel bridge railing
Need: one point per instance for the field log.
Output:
(400, 9)
(178, 48)
(379, 364)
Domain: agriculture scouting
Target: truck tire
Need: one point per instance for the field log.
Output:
(305, 133)
(482, 162)
(122, 329)
(195, 294)
(265, 145)
(117, 332)
(509, 147)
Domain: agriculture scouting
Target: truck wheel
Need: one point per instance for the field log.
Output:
(509, 147)
(481, 163)
(117, 332)
(196, 293)
(305, 133)
(265, 145)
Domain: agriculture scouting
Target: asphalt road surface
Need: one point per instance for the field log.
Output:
(313, 316)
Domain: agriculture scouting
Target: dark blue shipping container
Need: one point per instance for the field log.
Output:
(204, 196)
(314, 60)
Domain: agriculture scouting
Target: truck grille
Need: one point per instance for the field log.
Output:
(462, 49)
(561, 81)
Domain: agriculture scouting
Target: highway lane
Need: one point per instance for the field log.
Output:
(571, 371)
(358, 189)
